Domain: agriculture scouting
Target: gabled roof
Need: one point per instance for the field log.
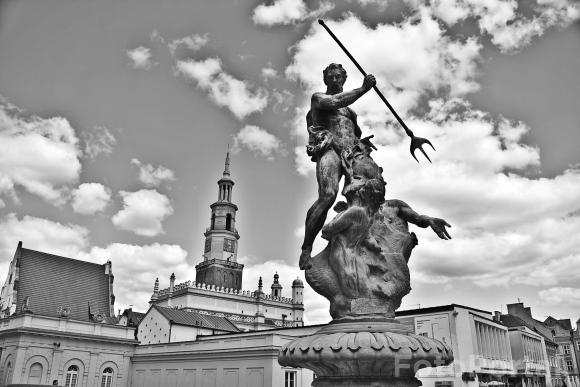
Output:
(133, 318)
(195, 319)
(51, 282)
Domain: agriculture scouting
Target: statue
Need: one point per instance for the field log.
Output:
(363, 270)
(333, 130)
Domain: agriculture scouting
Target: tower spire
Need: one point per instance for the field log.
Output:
(227, 167)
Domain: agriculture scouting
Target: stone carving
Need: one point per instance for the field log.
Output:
(363, 270)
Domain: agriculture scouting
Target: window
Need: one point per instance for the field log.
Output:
(229, 222)
(35, 374)
(107, 377)
(578, 345)
(569, 365)
(290, 379)
(8, 378)
(72, 376)
(566, 349)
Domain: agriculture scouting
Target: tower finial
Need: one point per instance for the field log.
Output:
(227, 168)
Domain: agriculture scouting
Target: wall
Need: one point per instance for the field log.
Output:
(57, 344)
(235, 360)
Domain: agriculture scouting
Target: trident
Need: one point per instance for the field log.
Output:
(416, 142)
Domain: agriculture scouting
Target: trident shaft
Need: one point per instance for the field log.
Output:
(416, 142)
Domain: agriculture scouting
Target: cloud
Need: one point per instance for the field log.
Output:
(98, 141)
(39, 234)
(561, 296)
(508, 29)
(286, 12)
(151, 176)
(141, 58)
(136, 267)
(258, 141)
(156, 37)
(142, 213)
(193, 42)
(90, 198)
(223, 89)
(38, 154)
(269, 72)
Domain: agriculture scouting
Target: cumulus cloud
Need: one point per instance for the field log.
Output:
(143, 212)
(153, 176)
(283, 12)
(508, 221)
(258, 141)
(561, 296)
(98, 141)
(193, 42)
(269, 72)
(40, 155)
(225, 90)
(90, 198)
(508, 28)
(136, 267)
(39, 234)
(141, 58)
(156, 37)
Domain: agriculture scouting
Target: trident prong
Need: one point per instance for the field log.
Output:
(417, 143)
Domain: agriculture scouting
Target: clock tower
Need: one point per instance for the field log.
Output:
(220, 265)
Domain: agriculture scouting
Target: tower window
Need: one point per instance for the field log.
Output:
(229, 222)
(212, 221)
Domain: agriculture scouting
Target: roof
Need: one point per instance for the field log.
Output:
(51, 282)
(434, 309)
(133, 318)
(512, 321)
(195, 319)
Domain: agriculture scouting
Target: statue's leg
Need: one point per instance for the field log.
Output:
(328, 176)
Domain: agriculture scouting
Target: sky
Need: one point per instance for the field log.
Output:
(115, 118)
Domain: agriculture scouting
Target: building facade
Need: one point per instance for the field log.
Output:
(45, 350)
(248, 359)
(481, 346)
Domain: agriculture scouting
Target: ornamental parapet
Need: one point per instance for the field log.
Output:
(165, 293)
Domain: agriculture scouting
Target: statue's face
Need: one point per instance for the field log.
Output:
(334, 80)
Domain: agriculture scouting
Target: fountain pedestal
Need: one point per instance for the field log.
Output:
(372, 353)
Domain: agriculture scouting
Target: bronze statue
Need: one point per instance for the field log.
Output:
(363, 270)
(332, 129)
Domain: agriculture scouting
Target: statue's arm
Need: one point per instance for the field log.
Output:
(332, 102)
(342, 221)
(406, 213)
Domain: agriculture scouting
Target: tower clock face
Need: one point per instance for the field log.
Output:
(229, 245)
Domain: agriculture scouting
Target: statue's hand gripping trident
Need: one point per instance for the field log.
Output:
(416, 142)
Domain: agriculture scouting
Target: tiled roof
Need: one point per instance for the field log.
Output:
(182, 317)
(133, 318)
(51, 281)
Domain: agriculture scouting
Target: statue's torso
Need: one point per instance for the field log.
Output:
(340, 123)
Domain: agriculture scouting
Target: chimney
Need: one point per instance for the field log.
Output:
(497, 316)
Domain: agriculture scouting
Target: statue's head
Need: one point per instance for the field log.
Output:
(334, 71)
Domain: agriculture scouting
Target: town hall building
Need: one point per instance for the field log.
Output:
(217, 289)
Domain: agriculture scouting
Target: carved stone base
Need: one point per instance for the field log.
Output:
(372, 353)
(365, 382)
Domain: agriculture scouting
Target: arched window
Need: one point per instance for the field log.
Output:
(72, 376)
(229, 222)
(107, 377)
(35, 373)
(8, 374)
